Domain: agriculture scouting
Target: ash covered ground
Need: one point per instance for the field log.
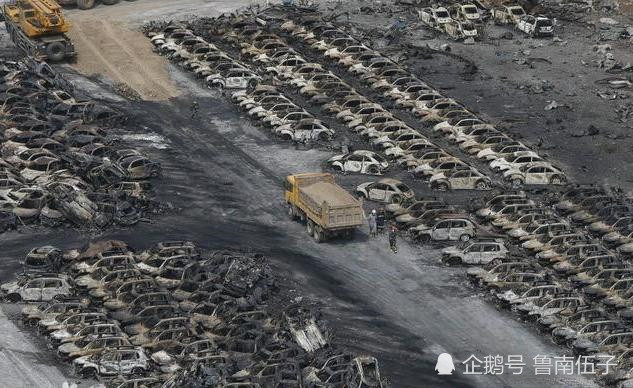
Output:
(222, 177)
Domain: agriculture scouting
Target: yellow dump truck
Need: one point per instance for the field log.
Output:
(327, 209)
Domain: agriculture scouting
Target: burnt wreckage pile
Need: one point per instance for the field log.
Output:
(58, 160)
(179, 317)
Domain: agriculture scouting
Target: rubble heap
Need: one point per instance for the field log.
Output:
(181, 317)
(59, 160)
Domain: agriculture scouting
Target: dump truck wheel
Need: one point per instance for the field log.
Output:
(291, 212)
(310, 227)
(56, 51)
(110, 2)
(85, 4)
(318, 235)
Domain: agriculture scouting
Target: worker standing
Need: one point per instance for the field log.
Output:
(380, 220)
(392, 238)
(372, 223)
(194, 109)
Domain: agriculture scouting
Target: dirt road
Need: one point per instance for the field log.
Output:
(112, 46)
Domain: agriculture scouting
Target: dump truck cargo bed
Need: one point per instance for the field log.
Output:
(327, 208)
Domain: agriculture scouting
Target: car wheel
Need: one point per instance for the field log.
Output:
(373, 170)
(442, 186)
(138, 371)
(556, 180)
(482, 185)
(464, 237)
(14, 298)
(396, 199)
(516, 183)
(88, 373)
(453, 260)
(337, 168)
(361, 195)
(425, 238)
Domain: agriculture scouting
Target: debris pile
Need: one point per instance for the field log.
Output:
(59, 161)
(181, 316)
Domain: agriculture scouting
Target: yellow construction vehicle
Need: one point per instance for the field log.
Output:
(87, 4)
(38, 28)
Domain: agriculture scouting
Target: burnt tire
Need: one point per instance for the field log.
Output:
(85, 4)
(556, 180)
(442, 186)
(516, 183)
(310, 227)
(14, 298)
(373, 170)
(396, 199)
(481, 185)
(464, 237)
(56, 51)
(138, 372)
(88, 373)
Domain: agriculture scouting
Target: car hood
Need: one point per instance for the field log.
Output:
(9, 287)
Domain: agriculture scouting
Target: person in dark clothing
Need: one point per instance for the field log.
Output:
(194, 109)
(392, 238)
(380, 220)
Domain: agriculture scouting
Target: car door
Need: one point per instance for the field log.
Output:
(32, 290)
(489, 252)
(127, 362)
(441, 230)
(109, 363)
(536, 176)
(354, 163)
(458, 228)
(378, 192)
(473, 254)
(51, 288)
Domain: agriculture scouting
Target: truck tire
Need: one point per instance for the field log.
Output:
(85, 4)
(110, 2)
(56, 51)
(319, 236)
(291, 212)
(310, 227)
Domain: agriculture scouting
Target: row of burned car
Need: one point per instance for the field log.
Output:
(278, 113)
(317, 85)
(165, 316)
(57, 161)
(569, 272)
(462, 21)
(518, 164)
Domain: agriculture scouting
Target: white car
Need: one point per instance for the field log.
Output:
(305, 129)
(386, 191)
(535, 174)
(475, 252)
(234, 79)
(121, 361)
(360, 161)
(36, 290)
(515, 161)
(467, 179)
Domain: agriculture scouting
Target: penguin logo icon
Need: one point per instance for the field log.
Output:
(444, 364)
